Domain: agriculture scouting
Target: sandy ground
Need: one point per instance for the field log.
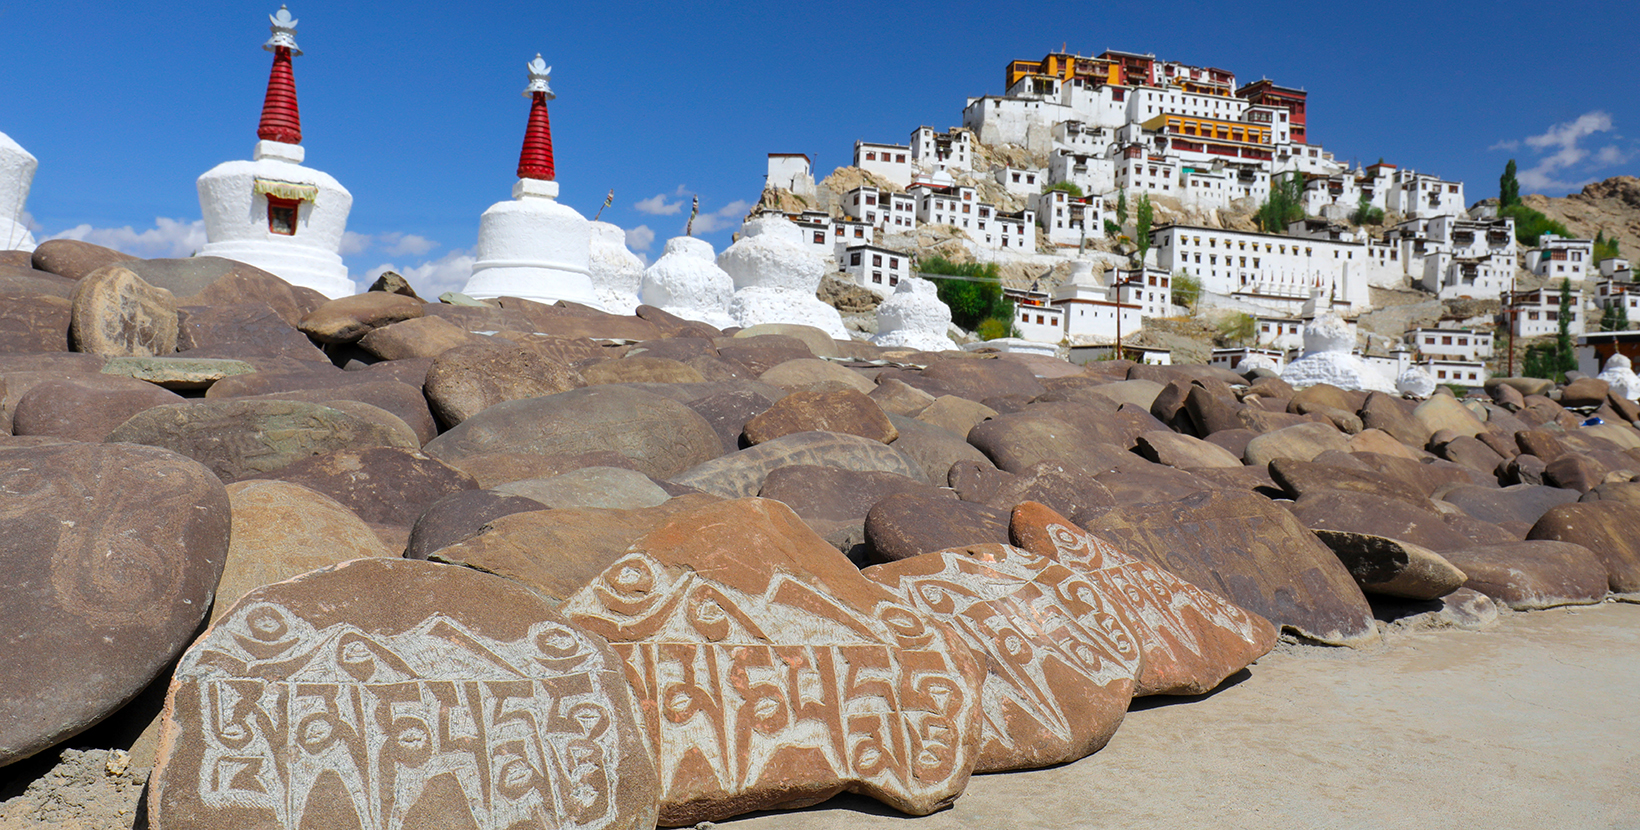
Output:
(1533, 723)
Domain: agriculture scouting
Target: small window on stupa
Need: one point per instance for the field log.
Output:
(282, 215)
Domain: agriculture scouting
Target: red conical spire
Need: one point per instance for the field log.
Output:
(281, 121)
(535, 160)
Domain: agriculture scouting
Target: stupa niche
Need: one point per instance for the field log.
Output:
(271, 211)
(531, 246)
(16, 177)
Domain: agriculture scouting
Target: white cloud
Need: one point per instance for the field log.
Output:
(728, 216)
(1507, 144)
(27, 221)
(392, 243)
(1561, 142)
(1612, 155)
(355, 243)
(658, 206)
(168, 238)
(433, 277)
(640, 238)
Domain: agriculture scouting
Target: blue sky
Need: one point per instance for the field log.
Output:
(416, 108)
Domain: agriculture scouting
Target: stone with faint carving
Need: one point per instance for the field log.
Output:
(110, 555)
(1062, 663)
(117, 313)
(772, 674)
(394, 693)
(1190, 639)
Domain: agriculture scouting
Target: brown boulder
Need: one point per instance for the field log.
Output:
(743, 586)
(381, 485)
(641, 369)
(1299, 478)
(1302, 442)
(1251, 552)
(241, 439)
(460, 515)
(728, 412)
(250, 329)
(84, 408)
(661, 436)
(111, 554)
(978, 379)
(1584, 392)
(1016, 441)
(896, 397)
(467, 380)
(347, 319)
(397, 658)
(282, 530)
(959, 415)
(845, 411)
(1065, 490)
(116, 313)
(764, 352)
(1533, 574)
(73, 259)
(1388, 567)
(32, 322)
(1174, 450)
(808, 374)
(740, 474)
(904, 525)
(418, 337)
(1519, 503)
(1611, 529)
(932, 449)
(1397, 519)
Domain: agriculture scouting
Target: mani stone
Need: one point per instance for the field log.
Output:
(844, 411)
(74, 259)
(282, 530)
(110, 554)
(1016, 441)
(830, 500)
(1301, 441)
(1251, 552)
(31, 322)
(117, 314)
(741, 474)
(1061, 664)
(347, 319)
(772, 675)
(467, 380)
(808, 374)
(399, 693)
(1184, 452)
(177, 373)
(1189, 639)
(418, 337)
(1388, 567)
(614, 488)
(661, 436)
(240, 439)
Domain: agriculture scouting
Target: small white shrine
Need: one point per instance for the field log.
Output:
(776, 276)
(272, 212)
(914, 318)
(617, 273)
(1328, 358)
(687, 282)
(531, 246)
(16, 177)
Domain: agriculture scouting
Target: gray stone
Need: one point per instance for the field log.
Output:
(742, 473)
(606, 487)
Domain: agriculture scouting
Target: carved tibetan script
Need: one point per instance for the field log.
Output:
(289, 725)
(785, 696)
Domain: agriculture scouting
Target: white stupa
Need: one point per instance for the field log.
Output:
(531, 246)
(1619, 372)
(687, 282)
(914, 318)
(617, 273)
(16, 177)
(1415, 381)
(1328, 344)
(272, 212)
(776, 277)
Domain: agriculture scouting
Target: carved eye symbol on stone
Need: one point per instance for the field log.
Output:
(1013, 645)
(516, 776)
(413, 738)
(315, 732)
(592, 719)
(905, 626)
(556, 642)
(633, 578)
(266, 624)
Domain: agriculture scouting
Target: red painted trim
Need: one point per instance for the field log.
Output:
(281, 120)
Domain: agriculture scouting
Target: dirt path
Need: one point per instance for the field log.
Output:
(1533, 723)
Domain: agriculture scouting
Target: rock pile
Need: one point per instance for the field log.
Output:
(507, 563)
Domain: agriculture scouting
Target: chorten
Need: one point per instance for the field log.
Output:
(16, 176)
(272, 212)
(531, 246)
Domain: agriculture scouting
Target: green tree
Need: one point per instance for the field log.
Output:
(1141, 235)
(1285, 204)
(1187, 290)
(1605, 247)
(1069, 187)
(1508, 187)
(1366, 214)
(975, 298)
(1565, 353)
(1121, 208)
(1530, 225)
(1238, 328)
(1112, 229)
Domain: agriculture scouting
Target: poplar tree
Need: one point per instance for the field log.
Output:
(1508, 187)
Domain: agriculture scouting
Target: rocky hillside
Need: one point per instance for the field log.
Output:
(1612, 206)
